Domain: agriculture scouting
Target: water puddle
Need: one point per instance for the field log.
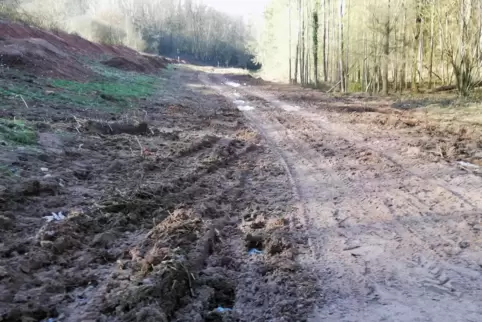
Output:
(233, 84)
(245, 107)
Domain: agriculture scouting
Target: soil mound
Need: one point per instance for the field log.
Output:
(54, 54)
(70, 43)
(42, 58)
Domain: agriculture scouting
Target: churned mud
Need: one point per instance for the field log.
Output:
(173, 210)
(391, 200)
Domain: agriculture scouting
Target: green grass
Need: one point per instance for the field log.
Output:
(16, 133)
(113, 90)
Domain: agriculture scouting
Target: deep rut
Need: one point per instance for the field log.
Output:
(391, 238)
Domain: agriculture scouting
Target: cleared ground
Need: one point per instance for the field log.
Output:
(157, 202)
(391, 201)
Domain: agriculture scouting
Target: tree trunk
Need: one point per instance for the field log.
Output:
(302, 54)
(297, 58)
(334, 45)
(295, 79)
(342, 50)
(325, 31)
(386, 52)
(315, 46)
(403, 76)
(430, 64)
(289, 42)
(420, 51)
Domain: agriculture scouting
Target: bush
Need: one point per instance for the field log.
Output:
(106, 34)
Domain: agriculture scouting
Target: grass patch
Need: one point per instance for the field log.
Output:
(138, 87)
(16, 132)
(113, 91)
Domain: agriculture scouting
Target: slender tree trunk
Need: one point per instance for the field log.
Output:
(295, 79)
(325, 31)
(395, 69)
(420, 51)
(365, 77)
(386, 52)
(403, 76)
(297, 58)
(342, 49)
(347, 47)
(430, 64)
(302, 54)
(417, 48)
(315, 45)
(334, 44)
(289, 42)
(442, 52)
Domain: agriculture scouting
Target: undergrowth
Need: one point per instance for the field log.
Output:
(14, 132)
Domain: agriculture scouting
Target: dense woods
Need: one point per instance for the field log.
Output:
(170, 27)
(374, 45)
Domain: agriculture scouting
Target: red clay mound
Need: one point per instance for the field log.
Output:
(42, 58)
(54, 54)
(67, 42)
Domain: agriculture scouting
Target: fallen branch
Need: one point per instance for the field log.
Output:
(446, 88)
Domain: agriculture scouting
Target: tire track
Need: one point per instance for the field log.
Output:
(378, 250)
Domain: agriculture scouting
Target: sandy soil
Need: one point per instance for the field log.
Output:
(392, 218)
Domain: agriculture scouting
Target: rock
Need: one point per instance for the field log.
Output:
(464, 244)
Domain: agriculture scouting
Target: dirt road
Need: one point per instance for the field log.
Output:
(393, 235)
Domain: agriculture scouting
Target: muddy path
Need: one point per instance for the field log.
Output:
(394, 234)
(173, 210)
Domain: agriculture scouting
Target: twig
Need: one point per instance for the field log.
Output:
(340, 223)
(333, 87)
(351, 247)
(188, 279)
(139, 142)
(24, 101)
(440, 152)
(78, 123)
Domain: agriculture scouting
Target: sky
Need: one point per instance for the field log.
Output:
(239, 7)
